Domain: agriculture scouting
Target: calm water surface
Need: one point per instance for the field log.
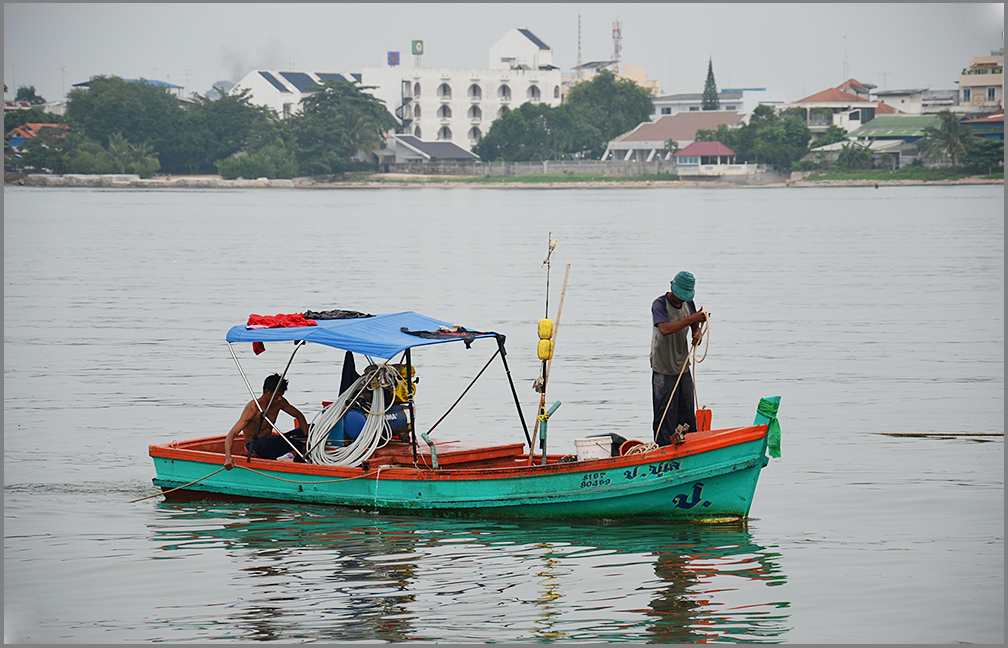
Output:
(872, 312)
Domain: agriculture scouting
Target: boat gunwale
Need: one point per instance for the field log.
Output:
(712, 440)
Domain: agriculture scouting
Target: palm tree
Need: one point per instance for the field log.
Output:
(949, 141)
(854, 155)
(121, 152)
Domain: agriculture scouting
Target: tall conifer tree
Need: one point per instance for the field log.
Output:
(710, 99)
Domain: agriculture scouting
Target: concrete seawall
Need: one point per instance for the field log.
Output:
(129, 181)
(377, 181)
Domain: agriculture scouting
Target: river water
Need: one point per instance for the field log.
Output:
(876, 314)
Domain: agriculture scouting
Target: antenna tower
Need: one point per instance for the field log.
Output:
(846, 65)
(579, 73)
(617, 40)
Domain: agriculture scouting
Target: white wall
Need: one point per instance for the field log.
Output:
(516, 45)
(389, 88)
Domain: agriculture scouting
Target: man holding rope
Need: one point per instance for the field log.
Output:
(257, 421)
(671, 383)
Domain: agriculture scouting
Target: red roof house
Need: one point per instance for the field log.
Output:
(706, 149)
(17, 136)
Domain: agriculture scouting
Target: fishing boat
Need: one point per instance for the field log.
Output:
(364, 452)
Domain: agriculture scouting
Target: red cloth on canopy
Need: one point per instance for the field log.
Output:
(278, 321)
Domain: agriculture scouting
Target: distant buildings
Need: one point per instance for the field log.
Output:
(848, 106)
(981, 85)
(743, 100)
(19, 135)
(283, 91)
(407, 148)
(459, 105)
(650, 140)
(919, 101)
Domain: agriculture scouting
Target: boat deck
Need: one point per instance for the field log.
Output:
(450, 454)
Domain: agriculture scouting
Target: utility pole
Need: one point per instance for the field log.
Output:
(63, 70)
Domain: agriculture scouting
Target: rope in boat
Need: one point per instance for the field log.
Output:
(376, 428)
(641, 448)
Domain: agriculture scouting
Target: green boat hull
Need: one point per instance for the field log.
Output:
(717, 483)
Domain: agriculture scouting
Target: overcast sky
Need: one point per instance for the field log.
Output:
(798, 49)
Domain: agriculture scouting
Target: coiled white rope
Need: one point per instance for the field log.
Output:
(376, 428)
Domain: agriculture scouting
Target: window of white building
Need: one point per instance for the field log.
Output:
(444, 134)
(416, 111)
(444, 112)
(475, 92)
(504, 92)
(534, 93)
(966, 95)
(503, 111)
(556, 92)
(991, 94)
(444, 91)
(475, 133)
(475, 112)
(416, 89)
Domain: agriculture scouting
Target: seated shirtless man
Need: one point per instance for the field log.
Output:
(258, 432)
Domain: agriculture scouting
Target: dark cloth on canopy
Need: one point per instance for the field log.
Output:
(454, 332)
(334, 314)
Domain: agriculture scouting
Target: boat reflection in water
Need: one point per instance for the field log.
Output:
(303, 574)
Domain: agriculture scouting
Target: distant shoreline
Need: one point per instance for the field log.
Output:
(401, 181)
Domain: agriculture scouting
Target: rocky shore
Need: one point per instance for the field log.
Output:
(128, 181)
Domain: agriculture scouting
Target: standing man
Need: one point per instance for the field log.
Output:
(671, 314)
(257, 427)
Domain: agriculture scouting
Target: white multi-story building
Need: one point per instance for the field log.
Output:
(459, 105)
(433, 104)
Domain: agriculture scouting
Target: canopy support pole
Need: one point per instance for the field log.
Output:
(503, 353)
(297, 345)
(409, 401)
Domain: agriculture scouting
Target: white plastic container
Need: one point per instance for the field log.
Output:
(598, 447)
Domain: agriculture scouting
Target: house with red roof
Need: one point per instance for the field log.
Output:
(648, 141)
(17, 136)
(713, 160)
(848, 106)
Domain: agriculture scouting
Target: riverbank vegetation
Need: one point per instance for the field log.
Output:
(913, 173)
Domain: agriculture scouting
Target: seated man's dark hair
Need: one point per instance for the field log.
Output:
(271, 382)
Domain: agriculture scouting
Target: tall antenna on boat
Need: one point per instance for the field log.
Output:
(546, 262)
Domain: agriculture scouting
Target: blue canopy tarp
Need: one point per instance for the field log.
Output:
(379, 336)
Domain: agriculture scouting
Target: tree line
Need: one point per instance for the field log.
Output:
(119, 126)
